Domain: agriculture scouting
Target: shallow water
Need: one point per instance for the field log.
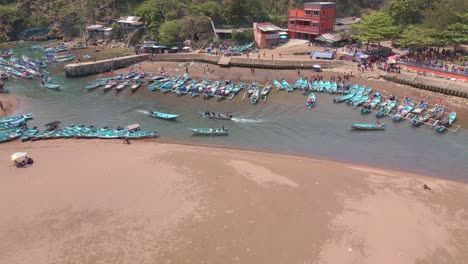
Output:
(282, 124)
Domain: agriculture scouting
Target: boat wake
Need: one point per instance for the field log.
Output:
(246, 120)
(143, 112)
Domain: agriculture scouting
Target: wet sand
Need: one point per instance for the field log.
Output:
(92, 201)
(9, 102)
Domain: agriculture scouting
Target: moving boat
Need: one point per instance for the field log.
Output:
(368, 126)
(213, 115)
(209, 131)
(311, 100)
(162, 115)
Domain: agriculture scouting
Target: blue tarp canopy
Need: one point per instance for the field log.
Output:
(325, 55)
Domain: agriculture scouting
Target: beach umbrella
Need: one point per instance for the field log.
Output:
(53, 123)
(391, 61)
(18, 155)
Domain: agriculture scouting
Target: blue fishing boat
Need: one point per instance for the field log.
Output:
(334, 87)
(327, 86)
(286, 85)
(438, 111)
(386, 108)
(15, 118)
(210, 91)
(255, 95)
(378, 126)
(314, 85)
(210, 131)
(420, 107)
(311, 101)
(403, 112)
(141, 134)
(51, 86)
(418, 120)
(343, 98)
(369, 107)
(162, 115)
(237, 89)
(278, 85)
(9, 135)
(443, 125)
(13, 124)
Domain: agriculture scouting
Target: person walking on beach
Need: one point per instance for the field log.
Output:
(1, 105)
(126, 141)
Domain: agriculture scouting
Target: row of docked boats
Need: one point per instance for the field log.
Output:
(14, 127)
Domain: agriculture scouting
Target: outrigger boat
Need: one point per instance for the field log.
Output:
(418, 120)
(443, 125)
(386, 108)
(403, 112)
(162, 115)
(278, 85)
(286, 85)
(378, 126)
(209, 131)
(370, 106)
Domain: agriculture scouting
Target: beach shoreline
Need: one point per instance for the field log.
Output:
(10, 103)
(164, 202)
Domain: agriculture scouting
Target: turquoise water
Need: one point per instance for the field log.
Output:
(282, 124)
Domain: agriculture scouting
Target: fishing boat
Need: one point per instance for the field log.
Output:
(320, 86)
(10, 135)
(209, 131)
(386, 109)
(142, 134)
(403, 112)
(443, 125)
(95, 84)
(420, 107)
(109, 85)
(278, 85)
(135, 86)
(369, 107)
(297, 84)
(377, 126)
(266, 89)
(405, 103)
(51, 86)
(334, 87)
(13, 124)
(210, 91)
(327, 86)
(121, 86)
(311, 100)
(15, 118)
(286, 85)
(162, 115)
(219, 116)
(343, 98)
(418, 120)
(438, 111)
(314, 85)
(237, 89)
(255, 95)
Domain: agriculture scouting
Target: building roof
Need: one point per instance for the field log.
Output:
(132, 20)
(329, 37)
(347, 21)
(269, 28)
(99, 28)
(317, 4)
(325, 55)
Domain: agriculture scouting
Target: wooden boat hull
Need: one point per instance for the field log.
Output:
(368, 126)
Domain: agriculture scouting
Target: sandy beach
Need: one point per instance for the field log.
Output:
(92, 201)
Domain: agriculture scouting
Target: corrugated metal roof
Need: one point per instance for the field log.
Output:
(325, 55)
(269, 28)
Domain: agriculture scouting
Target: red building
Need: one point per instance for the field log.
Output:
(315, 19)
(266, 34)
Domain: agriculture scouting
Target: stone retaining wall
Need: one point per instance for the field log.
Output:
(432, 88)
(89, 68)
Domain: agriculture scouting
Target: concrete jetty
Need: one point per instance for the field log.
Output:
(96, 67)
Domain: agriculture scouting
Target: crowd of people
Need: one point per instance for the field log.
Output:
(439, 60)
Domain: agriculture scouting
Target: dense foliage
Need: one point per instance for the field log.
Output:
(417, 24)
(411, 23)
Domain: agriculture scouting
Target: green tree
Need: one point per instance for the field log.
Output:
(11, 20)
(169, 32)
(197, 29)
(405, 12)
(415, 36)
(375, 27)
(445, 13)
